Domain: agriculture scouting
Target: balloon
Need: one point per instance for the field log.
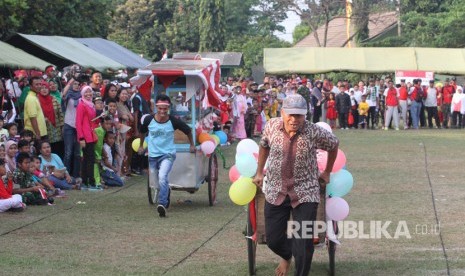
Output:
(247, 146)
(246, 164)
(322, 159)
(340, 184)
(136, 143)
(215, 138)
(207, 147)
(242, 191)
(234, 174)
(325, 126)
(203, 137)
(337, 208)
(223, 136)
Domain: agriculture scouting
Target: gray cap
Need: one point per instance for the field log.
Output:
(295, 104)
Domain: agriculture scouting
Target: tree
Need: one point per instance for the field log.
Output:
(12, 18)
(300, 32)
(211, 24)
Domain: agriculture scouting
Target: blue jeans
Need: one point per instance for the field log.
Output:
(61, 183)
(163, 164)
(111, 179)
(72, 157)
(415, 109)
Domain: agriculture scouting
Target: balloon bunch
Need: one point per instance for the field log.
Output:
(243, 190)
(135, 144)
(208, 142)
(340, 184)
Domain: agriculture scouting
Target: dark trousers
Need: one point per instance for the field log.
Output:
(356, 117)
(72, 156)
(276, 223)
(422, 115)
(433, 113)
(88, 161)
(372, 115)
(316, 114)
(343, 119)
(456, 120)
(446, 113)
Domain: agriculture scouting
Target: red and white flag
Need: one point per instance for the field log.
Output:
(165, 54)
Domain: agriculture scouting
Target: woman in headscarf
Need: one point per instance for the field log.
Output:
(53, 119)
(127, 120)
(72, 157)
(85, 125)
(11, 148)
(53, 87)
(455, 108)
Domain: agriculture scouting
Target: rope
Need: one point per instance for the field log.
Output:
(435, 209)
(220, 153)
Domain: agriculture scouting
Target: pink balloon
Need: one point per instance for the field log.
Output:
(207, 147)
(322, 159)
(234, 174)
(337, 208)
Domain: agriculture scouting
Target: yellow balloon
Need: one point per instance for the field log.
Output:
(242, 191)
(136, 143)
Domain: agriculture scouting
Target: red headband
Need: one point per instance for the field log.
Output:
(160, 102)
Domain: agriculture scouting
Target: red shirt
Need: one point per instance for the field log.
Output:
(447, 93)
(391, 98)
(6, 192)
(403, 93)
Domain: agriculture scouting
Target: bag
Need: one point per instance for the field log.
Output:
(350, 119)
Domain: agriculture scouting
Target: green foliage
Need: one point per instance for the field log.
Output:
(300, 32)
(75, 18)
(211, 24)
(252, 50)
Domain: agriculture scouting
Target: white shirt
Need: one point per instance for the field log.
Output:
(431, 97)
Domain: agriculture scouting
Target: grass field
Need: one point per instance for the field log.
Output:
(411, 176)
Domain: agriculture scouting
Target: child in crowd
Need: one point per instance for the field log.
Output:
(250, 117)
(3, 132)
(31, 192)
(363, 108)
(331, 113)
(99, 107)
(2, 152)
(109, 153)
(28, 135)
(8, 201)
(11, 149)
(12, 131)
(105, 125)
(24, 146)
(38, 177)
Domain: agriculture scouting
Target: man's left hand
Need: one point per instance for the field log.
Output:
(192, 149)
(68, 178)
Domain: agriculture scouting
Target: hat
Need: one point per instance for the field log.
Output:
(431, 81)
(97, 99)
(295, 104)
(402, 80)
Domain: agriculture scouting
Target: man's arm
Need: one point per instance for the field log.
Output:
(263, 154)
(324, 176)
(35, 127)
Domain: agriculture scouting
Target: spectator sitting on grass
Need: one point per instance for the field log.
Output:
(28, 135)
(58, 173)
(11, 148)
(40, 176)
(8, 201)
(3, 132)
(32, 193)
(109, 153)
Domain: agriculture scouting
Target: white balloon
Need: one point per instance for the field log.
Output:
(247, 146)
(325, 126)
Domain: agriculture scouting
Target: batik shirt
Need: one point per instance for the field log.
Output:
(292, 163)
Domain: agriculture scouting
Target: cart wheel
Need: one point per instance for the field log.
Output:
(251, 245)
(332, 252)
(212, 178)
(152, 193)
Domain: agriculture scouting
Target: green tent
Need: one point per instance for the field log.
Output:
(15, 58)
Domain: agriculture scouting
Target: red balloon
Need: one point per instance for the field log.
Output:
(234, 174)
(322, 159)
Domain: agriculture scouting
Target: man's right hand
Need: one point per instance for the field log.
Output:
(82, 143)
(258, 180)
